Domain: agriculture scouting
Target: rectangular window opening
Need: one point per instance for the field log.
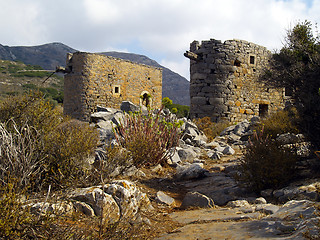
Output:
(252, 59)
(116, 90)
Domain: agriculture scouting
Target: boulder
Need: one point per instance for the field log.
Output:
(175, 158)
(260, 200)
(295, 211)
(57, 208)
(106, 109)
(228, 150)
(128, 197)
(211, 145)
(163, 198)
(105, 129)
(241, 128)
(242, 205)
(102, 204)
(238, 204)
(186, 154)
(118, 118)
(84, 208)
(192, 171)
(267, 208)
(195, 199)
(288, 138)
(214, 155)
(128, 106)
(101, 116)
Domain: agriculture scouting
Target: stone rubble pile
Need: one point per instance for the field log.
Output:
(119, 199)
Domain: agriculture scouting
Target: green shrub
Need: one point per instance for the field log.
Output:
(210, 129)
(283, 121)
(68, 148)
(32, 109)
(180, 110)
(14, 220)
(49, 92)
(166, 102)
(147, 138)
(266, 164)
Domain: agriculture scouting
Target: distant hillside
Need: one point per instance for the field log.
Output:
(16, 78)
(48, 56)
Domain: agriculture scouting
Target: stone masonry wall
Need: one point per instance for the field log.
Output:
(224, 81)
(95, 79)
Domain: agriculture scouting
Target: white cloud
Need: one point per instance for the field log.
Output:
(161, 29)
(17, 23)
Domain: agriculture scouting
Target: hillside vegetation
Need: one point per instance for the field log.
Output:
(17, 78)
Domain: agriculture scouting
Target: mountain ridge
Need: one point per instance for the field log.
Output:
(50, 55)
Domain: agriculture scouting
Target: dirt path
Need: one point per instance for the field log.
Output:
(220, 222)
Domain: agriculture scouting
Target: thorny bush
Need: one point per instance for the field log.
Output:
(148, 138)
(282, 121)
(39, 146)
(210, 129)
(266, 163)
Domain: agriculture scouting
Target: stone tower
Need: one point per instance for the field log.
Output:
(225, 81)
(94, 79)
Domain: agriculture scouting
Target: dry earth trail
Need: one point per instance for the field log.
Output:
(231, 222)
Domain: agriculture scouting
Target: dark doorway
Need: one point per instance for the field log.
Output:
(146, 99)
(263, 110)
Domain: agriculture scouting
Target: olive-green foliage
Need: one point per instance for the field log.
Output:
(210, 129)
(166, 102)
(32, 109)
(49, 92)
(60, 145)
(147, 138)
(283, 121)
(266, 164)
(179, 110)
(14, 220)
(296, 67)
(17, 70)
(68, 148)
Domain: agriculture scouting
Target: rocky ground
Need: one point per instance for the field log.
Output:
(197, 195)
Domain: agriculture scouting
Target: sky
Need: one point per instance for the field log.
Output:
(160, 29)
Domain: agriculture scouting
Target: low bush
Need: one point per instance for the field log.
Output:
(68, 148)
(32, 109)
(41, 145)
(21, 155)
(266, 164)
(147, 138)
(283, 121)
(16, 221)
(210, 129)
